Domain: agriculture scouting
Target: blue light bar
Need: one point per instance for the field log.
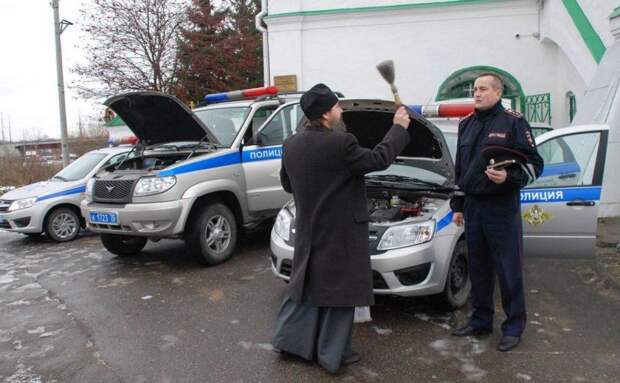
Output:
(416, 108)
(216, 97)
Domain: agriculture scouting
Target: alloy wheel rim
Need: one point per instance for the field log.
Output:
(218, 234)
(64, 225)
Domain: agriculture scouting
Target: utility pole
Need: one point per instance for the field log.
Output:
(59, 27)
(2, 125)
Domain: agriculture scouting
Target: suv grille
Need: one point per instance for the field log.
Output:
(4, 205)
(113, 191)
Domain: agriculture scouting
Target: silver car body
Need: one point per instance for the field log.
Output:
(560, 208)
(49, 194)
(437, 254)
(243, 172)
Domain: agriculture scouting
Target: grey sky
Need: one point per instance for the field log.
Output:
(28, 92)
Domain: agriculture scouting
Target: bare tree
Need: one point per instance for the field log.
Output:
(131, 45)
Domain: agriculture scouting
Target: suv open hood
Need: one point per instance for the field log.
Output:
(157, 118)
(427, 149)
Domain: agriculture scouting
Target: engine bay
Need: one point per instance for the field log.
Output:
(392, 206)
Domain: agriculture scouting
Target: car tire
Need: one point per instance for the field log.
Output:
(213, 237)
(62, 224)
(123, 245)
(458, 284)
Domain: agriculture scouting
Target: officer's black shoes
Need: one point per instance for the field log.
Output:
(508, 343)
(353, 357)
(471, 331)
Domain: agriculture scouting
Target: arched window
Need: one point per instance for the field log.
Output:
(572, 105)
(460, 84)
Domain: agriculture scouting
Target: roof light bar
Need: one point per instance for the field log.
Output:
(125, 140)
(443, 110)
(240, 94)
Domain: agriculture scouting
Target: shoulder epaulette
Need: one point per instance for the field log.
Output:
(466, 117)
(513, 113)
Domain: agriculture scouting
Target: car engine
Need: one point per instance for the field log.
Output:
(388, 207)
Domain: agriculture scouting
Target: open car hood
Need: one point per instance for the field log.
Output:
(426, 150)
(157, 118)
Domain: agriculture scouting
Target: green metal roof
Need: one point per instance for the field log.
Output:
(116, 121)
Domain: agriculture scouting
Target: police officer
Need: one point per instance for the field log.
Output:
(488, 204)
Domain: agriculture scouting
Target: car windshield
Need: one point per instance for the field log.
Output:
(451, 139)
(224, 122)
(80, 168)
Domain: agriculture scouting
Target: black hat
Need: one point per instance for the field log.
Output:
(317, 101)
(501, 154)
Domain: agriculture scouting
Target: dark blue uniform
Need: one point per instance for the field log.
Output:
(492, 212)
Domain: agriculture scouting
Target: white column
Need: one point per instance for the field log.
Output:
(610, 198)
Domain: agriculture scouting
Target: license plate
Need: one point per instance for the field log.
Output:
(105, 218)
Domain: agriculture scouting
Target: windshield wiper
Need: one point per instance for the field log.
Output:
(61, 178)
(403, 179)
(199, 144)
(136, 146)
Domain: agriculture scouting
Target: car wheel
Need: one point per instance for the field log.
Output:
(123, 245)
(213, 238)
(458, 285)
(62, 224)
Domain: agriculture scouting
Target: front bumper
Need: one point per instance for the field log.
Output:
(29, 220)
(411, 271)
(158, 219)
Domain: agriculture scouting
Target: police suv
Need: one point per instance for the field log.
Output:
(200, 175)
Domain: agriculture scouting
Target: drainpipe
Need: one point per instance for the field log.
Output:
(262, 27)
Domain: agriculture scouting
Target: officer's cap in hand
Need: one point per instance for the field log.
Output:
(501, 155)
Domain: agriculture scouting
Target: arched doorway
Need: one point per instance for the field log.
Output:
(460, 84)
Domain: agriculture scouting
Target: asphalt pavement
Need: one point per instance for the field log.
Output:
(75, 313)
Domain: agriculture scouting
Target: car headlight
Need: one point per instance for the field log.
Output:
(282, 226)
(88, 193)
(407, 235)
(22, 203)
(153, 185)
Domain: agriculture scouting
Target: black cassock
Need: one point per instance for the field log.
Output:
(324, 169)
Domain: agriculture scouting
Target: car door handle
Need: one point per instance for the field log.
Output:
(565, 176)
(581, 203)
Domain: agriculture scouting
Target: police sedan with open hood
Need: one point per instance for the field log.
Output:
(414, 247)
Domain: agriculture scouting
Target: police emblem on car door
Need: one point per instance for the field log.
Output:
(560, 208)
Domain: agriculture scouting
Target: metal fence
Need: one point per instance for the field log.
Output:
(538, 108)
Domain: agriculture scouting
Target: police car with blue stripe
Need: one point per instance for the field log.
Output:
(560, 208)
(201, 175)
(53, 206)
(415, 248)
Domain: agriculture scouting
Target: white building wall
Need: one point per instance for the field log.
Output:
(566, 79)
(598, 12)
(427, 45)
